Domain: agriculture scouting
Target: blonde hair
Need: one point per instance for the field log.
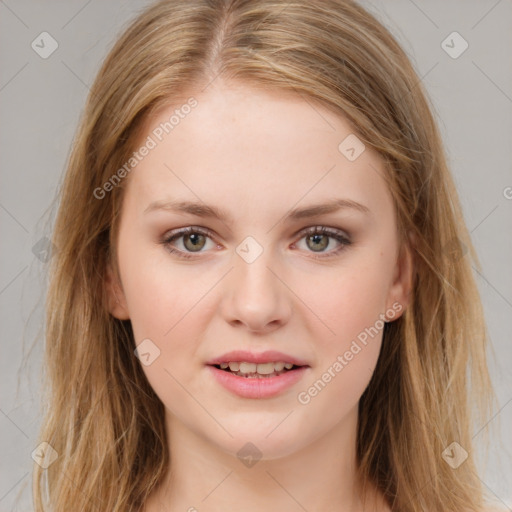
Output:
(102, 417)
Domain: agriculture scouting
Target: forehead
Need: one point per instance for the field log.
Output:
(251, 148)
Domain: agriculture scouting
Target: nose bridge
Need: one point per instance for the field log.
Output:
(255, 296)
(253, 279)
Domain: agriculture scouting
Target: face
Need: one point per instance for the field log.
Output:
(266, 275)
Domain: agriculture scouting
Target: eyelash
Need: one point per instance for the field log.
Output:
(314, 230)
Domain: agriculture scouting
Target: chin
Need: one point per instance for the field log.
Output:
(266, 440)
(251, 448)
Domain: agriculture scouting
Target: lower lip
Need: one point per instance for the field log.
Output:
(265, 387)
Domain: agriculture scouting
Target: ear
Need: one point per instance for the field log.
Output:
(116, 301)
(401, 287)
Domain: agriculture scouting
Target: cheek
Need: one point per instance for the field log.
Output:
(353, 309)
(159, 295)
(167, 307)
(350, 300)
(351, 303)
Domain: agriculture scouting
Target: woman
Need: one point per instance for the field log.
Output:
(263, 295)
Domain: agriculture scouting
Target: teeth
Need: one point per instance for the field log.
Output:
(260, 368)
(263, 368)
(248, 367)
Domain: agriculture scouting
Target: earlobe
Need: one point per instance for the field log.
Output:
(401, 288)
(116, 301)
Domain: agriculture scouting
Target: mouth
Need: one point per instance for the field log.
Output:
(261, 380)
(258, 371)
(257, 375)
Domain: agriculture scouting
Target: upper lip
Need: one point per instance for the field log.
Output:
(253, 357)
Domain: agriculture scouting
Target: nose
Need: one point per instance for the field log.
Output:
(255, 296)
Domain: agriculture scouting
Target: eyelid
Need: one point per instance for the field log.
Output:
(189, 229)
(323, 229)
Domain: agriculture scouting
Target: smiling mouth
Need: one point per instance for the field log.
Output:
(257, 371)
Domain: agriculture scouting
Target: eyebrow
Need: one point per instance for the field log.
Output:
(203, 210)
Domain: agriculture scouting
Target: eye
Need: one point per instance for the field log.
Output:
(194, 239)
(318, 239)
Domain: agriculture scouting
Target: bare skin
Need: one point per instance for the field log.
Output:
(257, 156)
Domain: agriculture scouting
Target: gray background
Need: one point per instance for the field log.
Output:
(41, 100)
